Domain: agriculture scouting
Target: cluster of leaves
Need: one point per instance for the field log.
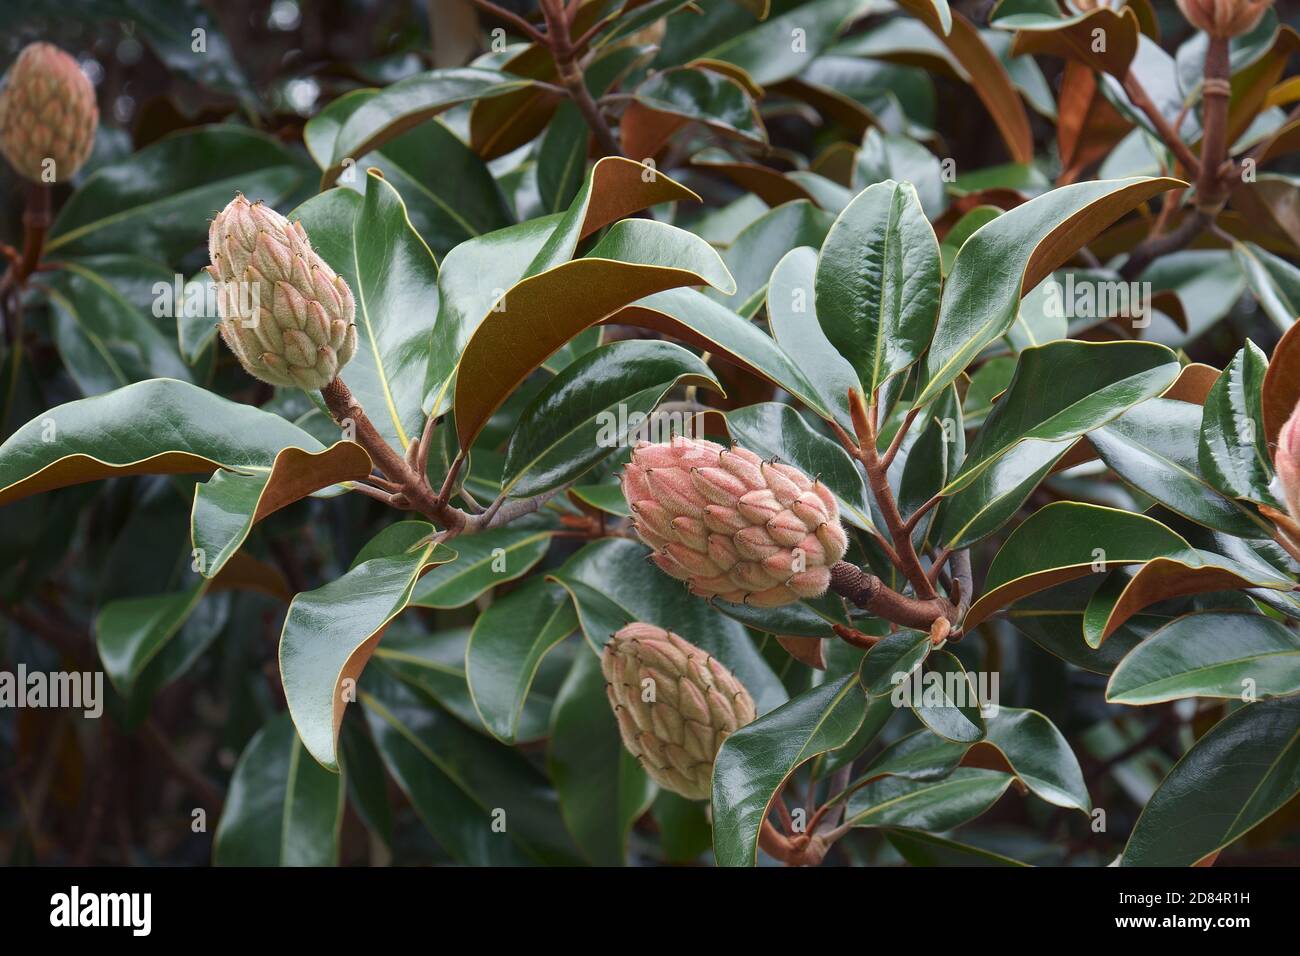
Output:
(787, 190)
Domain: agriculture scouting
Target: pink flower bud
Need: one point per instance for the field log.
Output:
(1224, 19)
(730, 524)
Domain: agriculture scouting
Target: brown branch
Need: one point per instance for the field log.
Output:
(897, 443)
(36, 224)
(1138, 94)
(1152, 248)
(514, 19)
(865, 590)
(415, 491)
(799, 850)
(1216, 92)
(921, 512)
(565, 56)
(937, 564)
(909, 563)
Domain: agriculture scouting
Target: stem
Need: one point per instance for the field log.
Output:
(937, 564)
(868, 592)
(1138, 94)
(919, 513)
(909, 563)
(1156, 246)
(565, 56)
(514, 19)
(36, 223)
(799, 850)
(903, 554)
(962, 581)
(897, 443)
(1216, 92)
(414, 488)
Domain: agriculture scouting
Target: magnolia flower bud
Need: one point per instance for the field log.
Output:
(1224, 19)
(732, 525)
(675, 706)
(286, 315)
(47, 115)
(1286, 462)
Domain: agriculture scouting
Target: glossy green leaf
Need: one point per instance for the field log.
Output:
(482, 562)
(1022, 742)
(693, 317)
(886, 159)
(997, 493)
(793, 319)
(506, 647)
(408, 103)
(927, 805)
(282, 808)
(703, 96)
(476, 275)
(1155, 447)
(482, 801)
(635, 258)
(157, 202)
(1067, 540)
(758, 758)
(878, 283)
(449, 192)
(131, 632)
(754, 253)
(1245, 768)
(596, 405)
(1129, 590)
(1011, 255)
(1038, 755)
(229, 503)
(892, 660)
(763, 49)
(1233, 449)
(1274, 282)
(1065, 389)
(173, 659)
(107, 341)
(330, 633)
(369, 241)
(601, 787)
(944, 698)
(157, 427)
(435, 664)
(1210, 654)
(925, 849)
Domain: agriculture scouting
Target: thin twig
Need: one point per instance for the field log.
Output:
(1138, 94)
(565, 56)
(514, 19)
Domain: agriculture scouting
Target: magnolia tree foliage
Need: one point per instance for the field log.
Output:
(805, 431)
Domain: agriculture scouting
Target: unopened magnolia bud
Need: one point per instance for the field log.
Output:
(1286, 462)
(286, 315)
(732, 525)
(1224, 19)
(675, 706)
(48, 115)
